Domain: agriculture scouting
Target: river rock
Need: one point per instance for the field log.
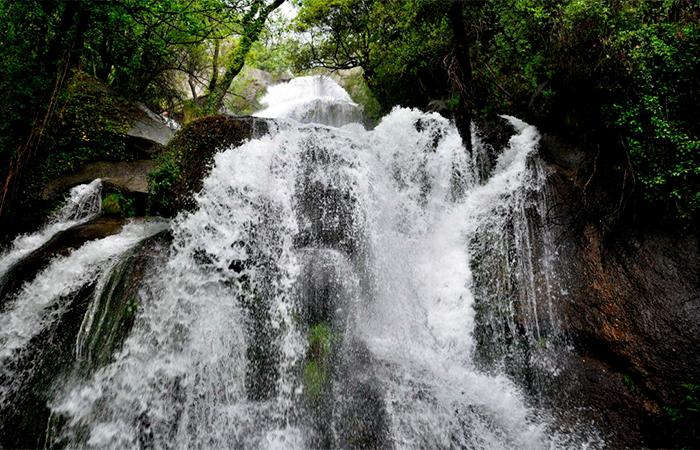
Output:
(61, 244)
(149, 131)
(127, 176)
(26, 420)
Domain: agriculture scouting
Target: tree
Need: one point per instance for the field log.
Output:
(137, 47)
(400, 45)
(252, 25)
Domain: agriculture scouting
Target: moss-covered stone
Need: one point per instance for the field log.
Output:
(183, 164)
(113, 204)
(319, 360)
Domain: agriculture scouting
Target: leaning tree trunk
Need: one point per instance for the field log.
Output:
(253, 26)
(461, 72)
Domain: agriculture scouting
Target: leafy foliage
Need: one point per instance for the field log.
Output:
(117, 204)
(398, 44)
(685, 420)
(603, 72)
(90, 124)
(54, 117)
(161, 181)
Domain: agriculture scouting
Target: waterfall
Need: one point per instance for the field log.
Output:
(313, 99)
(82, 204)
(333, 288)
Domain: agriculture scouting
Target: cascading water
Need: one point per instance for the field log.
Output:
(311, 100)
(83, 204)
(327, 292)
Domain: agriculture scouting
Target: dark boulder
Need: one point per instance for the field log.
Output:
(61, 244)
(182, 165)
(327, 288)
(630, 302)
(35, 374)
(127, 176)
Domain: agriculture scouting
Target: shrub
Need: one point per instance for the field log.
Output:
(117, 204)
(684, 421)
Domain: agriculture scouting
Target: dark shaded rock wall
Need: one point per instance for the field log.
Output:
(40, 370)
(630, 301)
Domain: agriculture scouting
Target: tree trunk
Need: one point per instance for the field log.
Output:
(215, 67)
(462, 73)
(253, 27)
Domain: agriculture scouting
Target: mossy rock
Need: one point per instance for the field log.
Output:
(320, 356)
(183, 164)
(118, 205)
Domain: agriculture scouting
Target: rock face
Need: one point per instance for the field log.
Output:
(61, 244)
(149, 131)
(631, 305)
(127, 176)
(50, 356)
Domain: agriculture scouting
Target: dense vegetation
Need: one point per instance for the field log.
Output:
(69, 70)
(621, 78)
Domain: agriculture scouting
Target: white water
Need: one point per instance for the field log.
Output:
(313, 99)
(394, 211)
(83, 203)
(44, 299)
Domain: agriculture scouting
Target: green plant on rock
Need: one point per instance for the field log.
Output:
(684, 421)
(631, 386)
(130, 309)
(319, 355)
(315, 379)
(117, 204)
(92, 125)
(164, 176)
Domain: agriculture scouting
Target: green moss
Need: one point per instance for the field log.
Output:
(117, 204)
(320, 355)
(631, 386)
(186, 160)
(315, 379)
(321, 338)
(91, 126)
(130, 309)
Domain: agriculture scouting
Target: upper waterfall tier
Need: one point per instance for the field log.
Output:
(314, 99)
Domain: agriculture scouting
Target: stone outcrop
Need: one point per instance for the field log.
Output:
(149, 131)
(61, 244)
(50, 356)
(631, 304)
(186, 160)
(127, 176)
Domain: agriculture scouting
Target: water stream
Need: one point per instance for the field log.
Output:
(331, 290)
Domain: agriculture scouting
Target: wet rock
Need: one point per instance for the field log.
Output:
(25, 413)
(38, 370)
(61, 244)
(629, 301)
(128, 177)
(262, 352)
(327, 217)
(364, 423)
(149, 131)
(186, 160)
(327, 288)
